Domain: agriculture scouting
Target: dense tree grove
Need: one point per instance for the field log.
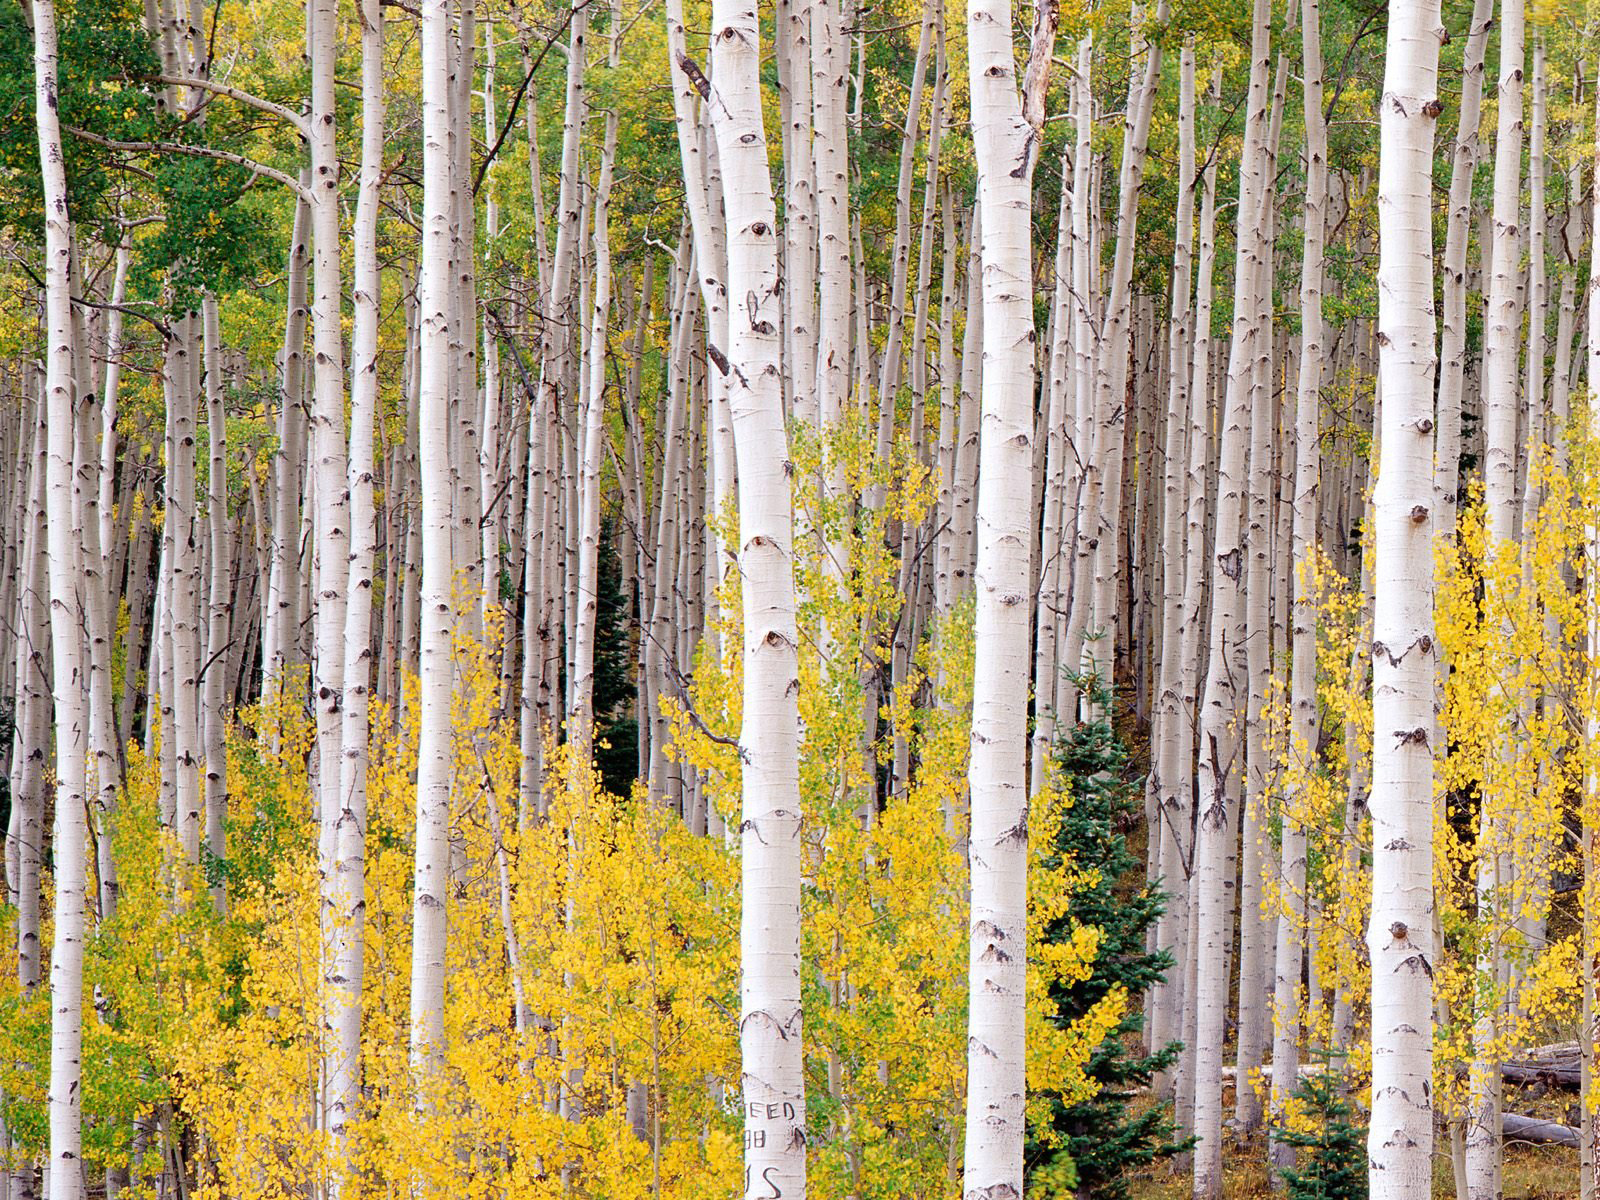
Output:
(603, 598)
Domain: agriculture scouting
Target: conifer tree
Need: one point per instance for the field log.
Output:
(1100, 1135)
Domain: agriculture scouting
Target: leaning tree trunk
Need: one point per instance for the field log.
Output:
(1400, 933)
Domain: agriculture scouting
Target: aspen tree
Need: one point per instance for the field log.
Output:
(1400, 933)
(219, 599)
(329, 449)
(792, 33)
(1102, 509)
(1256, 939)
(1589, 1036)
(25, 829)
(65, 1181)
(1058, 438)
(830, 65)
(581, 705)
(1172, 735)
(346, 899)
(1006, 121)
(1217, 813)
(281, 615)
(1501, 344)
(1178, 995)
(434, 757)
(1303, 714)
(539, 590)
(772, 1079)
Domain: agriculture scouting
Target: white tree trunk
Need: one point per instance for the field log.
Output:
(773, 1095)
(581, 704)
(1303, 712)
(1172, 734)
(1400, 934)
(65, 1102)
(220, 598)
(345, 898)
(1005, 122)
(434, 756)
(280, 620)
(1501, 350)
(1223, 704)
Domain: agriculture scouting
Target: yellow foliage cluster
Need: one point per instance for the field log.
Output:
(592, 966)
(885, 901)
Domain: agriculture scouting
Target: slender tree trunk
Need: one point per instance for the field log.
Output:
(581, 704)
(1303, 711)
(773, 1096)
(220, 600)
(1500, 362)
(1219, 774)
(65, 1102)
(281, 613)
(1173, 736)
(1400, 934)
(345, 899)
(434, 755)
(1005, 124)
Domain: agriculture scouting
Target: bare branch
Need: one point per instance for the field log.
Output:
(249, 164)
(250, 99)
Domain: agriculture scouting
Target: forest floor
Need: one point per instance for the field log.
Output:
(1531, 1173)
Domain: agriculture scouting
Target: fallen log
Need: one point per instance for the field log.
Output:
(1516, 1127)
(1550, 1074)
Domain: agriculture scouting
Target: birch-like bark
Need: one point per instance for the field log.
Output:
(773, 1081)
(489, 451)
(1006, 121)
(1303, 715)
(1400, 935)
(1589, 1037)
(1222, 706)
(539, 595)
(434, 288)
(581, 704)
(220, 599)
(281, 613)
(1501, 349)
(65, 1099)
(181, 629)
(330, 452)
(1458, 227)
(346, 895)
(1103, 508)
(1173, 735)
(25, 830)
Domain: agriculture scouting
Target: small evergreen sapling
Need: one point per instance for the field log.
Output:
(1333, 1162)
(1101, 1137)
